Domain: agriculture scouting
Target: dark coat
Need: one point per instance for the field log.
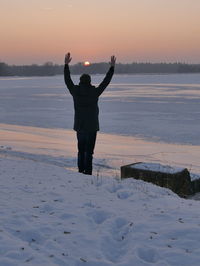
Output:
(85, 96)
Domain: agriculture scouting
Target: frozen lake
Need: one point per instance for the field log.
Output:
(152, 117)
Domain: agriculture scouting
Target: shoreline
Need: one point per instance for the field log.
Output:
(58, 146)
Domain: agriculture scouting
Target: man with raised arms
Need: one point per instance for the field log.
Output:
(86, 112)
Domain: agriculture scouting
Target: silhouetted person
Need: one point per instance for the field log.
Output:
(86, 121)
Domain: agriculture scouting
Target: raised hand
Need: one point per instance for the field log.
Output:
(112, 60)
(68, 58)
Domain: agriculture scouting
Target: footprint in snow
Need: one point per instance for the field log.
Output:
(121, 228)
(114, 188)
(115, 245)
(67, 216)
(124, 194)
(30, 236)
(99, 216)
(46, 208)
(148, 254)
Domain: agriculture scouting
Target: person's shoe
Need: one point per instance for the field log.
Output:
(87, 172)
(81, 171)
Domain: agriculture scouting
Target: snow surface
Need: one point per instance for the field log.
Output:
(157, 167)
(52, 216)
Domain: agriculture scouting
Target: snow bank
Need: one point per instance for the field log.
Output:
(156, 167)
(52, 216)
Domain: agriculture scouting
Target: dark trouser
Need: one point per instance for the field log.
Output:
(86, 143)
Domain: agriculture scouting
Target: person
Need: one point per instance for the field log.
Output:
(86, 112)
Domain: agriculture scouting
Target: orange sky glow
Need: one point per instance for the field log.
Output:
(38, 31)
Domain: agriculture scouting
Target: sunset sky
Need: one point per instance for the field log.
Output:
(37, 31)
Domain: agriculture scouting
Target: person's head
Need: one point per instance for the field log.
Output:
(85, 79)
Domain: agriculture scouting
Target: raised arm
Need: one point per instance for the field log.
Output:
(68, 81)
(108, 76)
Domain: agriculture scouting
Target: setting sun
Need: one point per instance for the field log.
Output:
(86, 63)
(140, 31)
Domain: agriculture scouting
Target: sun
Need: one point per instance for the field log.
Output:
(86, 63)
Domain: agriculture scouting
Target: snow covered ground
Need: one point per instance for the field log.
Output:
(53, 216)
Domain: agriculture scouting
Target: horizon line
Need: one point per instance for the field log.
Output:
(93, 63)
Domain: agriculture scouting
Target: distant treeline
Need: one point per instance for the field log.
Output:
(50, 69)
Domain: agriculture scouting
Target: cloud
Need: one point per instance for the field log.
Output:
(69, 3)
(47, 8)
